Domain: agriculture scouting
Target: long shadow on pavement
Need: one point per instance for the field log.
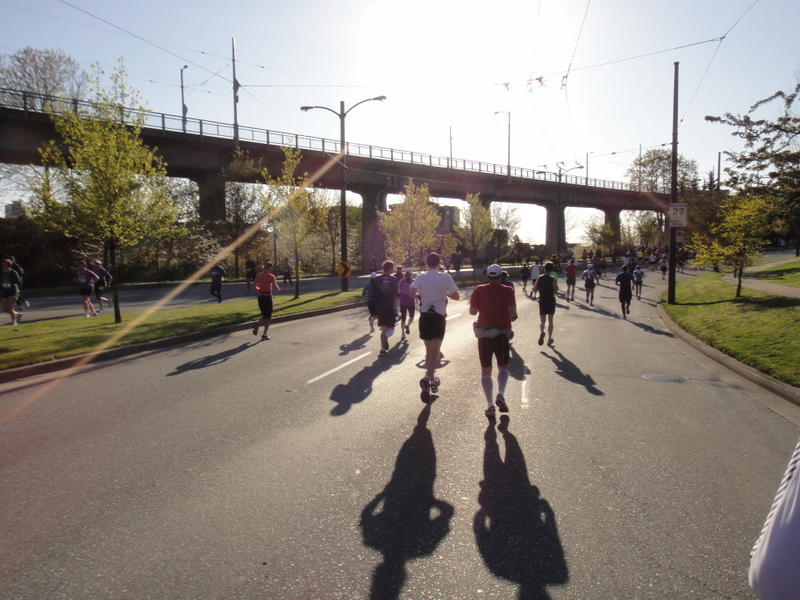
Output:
(359, 387)
(405, 521)
(515, 528)
(211, 360)
(572, 372)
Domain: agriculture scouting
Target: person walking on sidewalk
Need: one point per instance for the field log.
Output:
(433, 288)
(217, 273)
(546, 286)
(385, 287)
(287, 271)
(496, 307)
(10, 291)
(86, 280)
(264, 284)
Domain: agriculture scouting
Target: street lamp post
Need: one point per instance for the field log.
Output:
(342, 114)
(508, 155)
(561, 234)
(184, 109)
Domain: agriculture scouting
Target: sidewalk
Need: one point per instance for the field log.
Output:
(767, 287)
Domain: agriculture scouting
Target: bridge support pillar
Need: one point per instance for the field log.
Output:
(612, 218)
(553, 225)
(373, 242)
(212, 198)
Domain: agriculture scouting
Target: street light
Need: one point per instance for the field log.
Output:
(342, 113)
(184, 109)
(508, 113)
(561, 234)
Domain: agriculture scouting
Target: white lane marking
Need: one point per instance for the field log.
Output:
(452, 316)
(342, 366)
(524, 399)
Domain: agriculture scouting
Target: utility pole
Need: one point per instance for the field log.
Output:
(236, 87)
(673, 192)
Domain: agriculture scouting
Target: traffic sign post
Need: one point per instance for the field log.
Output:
(344, 270)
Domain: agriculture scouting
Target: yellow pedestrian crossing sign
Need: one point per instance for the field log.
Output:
(344, 269)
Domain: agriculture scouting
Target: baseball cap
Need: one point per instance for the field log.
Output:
(494, 271)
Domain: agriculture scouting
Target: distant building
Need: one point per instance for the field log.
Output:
(13, 210)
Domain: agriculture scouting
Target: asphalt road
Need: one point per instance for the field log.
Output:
(306, 467)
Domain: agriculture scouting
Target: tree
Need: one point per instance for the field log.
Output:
(410, 227)
(292, 205)
(103, 184)
(506, 218)
(43, 73)
(739, 236)
(477, 228)
(652, 172)
(243, 204)
(599, 234)
(770, 161)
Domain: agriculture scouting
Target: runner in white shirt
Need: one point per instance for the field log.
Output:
(433, 288)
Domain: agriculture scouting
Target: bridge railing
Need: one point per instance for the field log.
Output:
(29, 102)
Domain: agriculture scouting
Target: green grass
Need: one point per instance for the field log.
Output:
(758, 329)
(784, 274)
(41, 341)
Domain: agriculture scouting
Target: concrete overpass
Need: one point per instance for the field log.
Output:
(199, 150)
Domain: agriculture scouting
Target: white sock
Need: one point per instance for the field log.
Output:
(486, 383)
(502, 380)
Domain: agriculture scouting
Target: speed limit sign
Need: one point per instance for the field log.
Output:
(678, 214)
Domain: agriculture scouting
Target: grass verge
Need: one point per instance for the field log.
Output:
(41, 341)
(757, 329)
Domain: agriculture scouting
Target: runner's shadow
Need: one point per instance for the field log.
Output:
(515, 528)
(360, 385)
(210, 361)
(405, 521)
(356, 344)
(571, 372)
(516, 365)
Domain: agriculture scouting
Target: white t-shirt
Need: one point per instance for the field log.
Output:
(433, 288)
(535, 272)
(774, 572)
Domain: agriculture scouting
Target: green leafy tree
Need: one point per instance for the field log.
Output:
(770, 162)
(739, 238)
(410, 227)
(293, 209)
(476, 229)
(102, 183)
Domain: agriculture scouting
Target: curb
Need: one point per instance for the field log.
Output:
(779, 388)
(61, 364)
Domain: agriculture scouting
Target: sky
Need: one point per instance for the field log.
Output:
(586, 82)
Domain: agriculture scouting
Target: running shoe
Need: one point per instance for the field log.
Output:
(541, 338)
(383, 352)
(501, 403)
(408, 330)
(265, 337)
(255, 330)
(435, 385)
(489, 412)
(425, 384)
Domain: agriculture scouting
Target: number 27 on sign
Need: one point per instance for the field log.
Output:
(677, 214)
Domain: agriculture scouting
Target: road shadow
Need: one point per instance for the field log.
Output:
(211, 360)
(356, 344)
(359, 387)
(405, 521)
(651, 329)
(572, 372)
(515, 528)
(517, 367)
